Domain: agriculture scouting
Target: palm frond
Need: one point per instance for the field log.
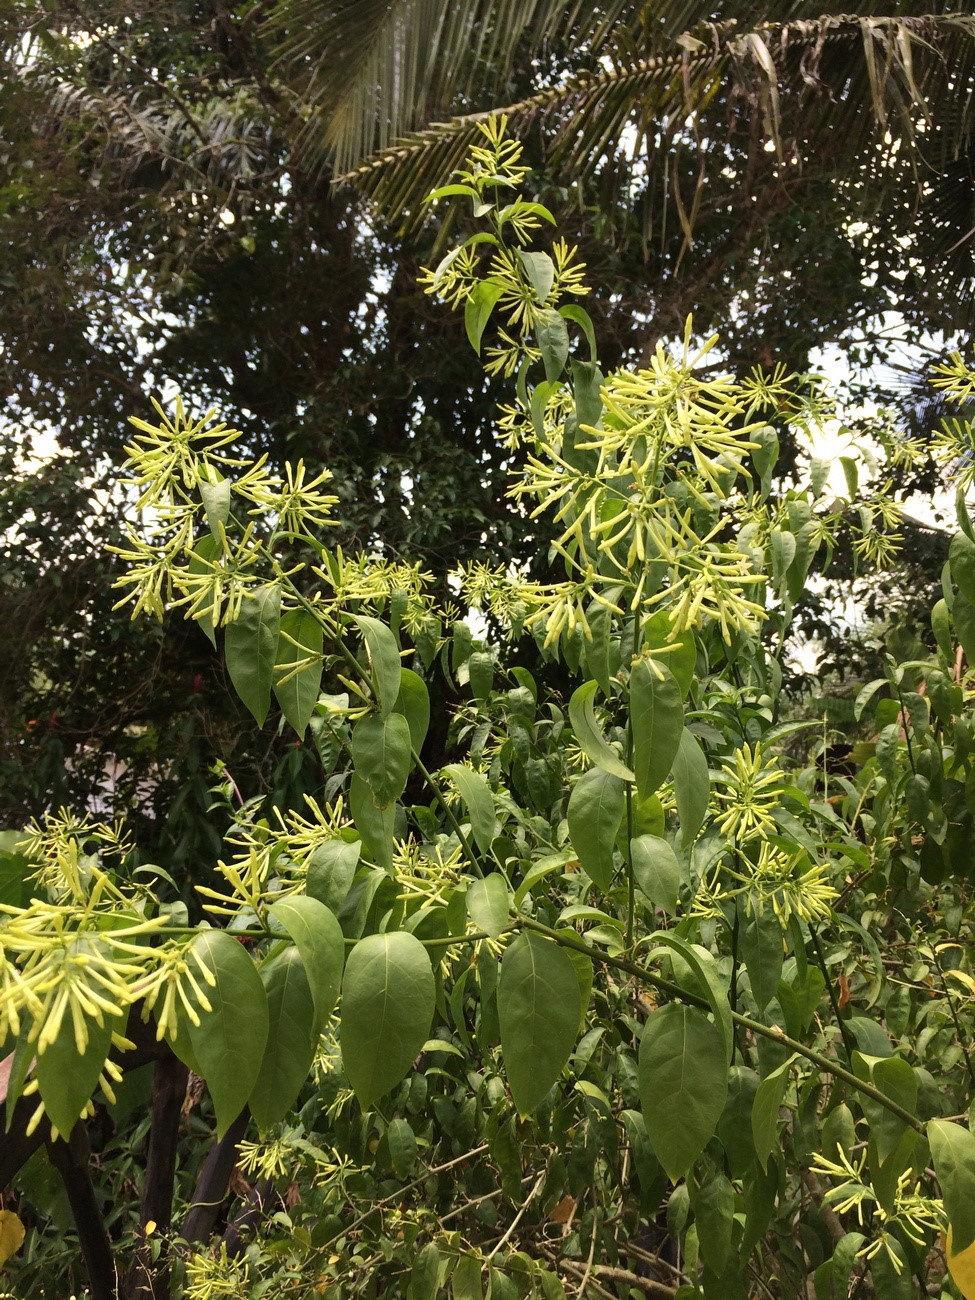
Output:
(844, 87)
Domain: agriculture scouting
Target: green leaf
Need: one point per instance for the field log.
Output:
(539, 1005)
(961, 558)
(473, 788)
(963, 617)
(465, 1281)
(291, 1040)
(657, 721)
(375, 825)
(297, 690)
(413, 702)
(683, 1077)
(318, 937)
(401, 1141)
(381, 753)
(572, 311)
(941, 627)
(595, 812)
(553, 343)
(657, 871)
(204, 556)
(425, 1274)
(384, 658)
(953, 1153)
(230, 1039)
(760, 948)
(692, 786)
(765, 1110)
(388, 996)
(488, 903)
(331, 870)
(714, 1210)
(596, 651)
(591, 740)
(540, 270)
(706, 983)
(480, 671)
(478, 309)
(251, 645)
(215, 496)
(66, 1079)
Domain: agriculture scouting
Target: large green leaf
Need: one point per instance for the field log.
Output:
(291, 1041)
(588, 733)
(387, 1004)
(381, 753)
(539, 1005)
(683, 1075)
(251, 647)
(765, 1110)
(760, 947)
(595, 813)
(953, 1153)
(298, 667)
(318, 937)
(473, 788)
(230, 1039)
(384, 660)
(657, 720)
(67, 1079)
(690, 959)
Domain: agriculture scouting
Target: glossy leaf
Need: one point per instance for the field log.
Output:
(381, 753)
(683, 1077)
(760, 947)
(539, 1005)
(595, 813)
(230, 1038)
(296, 688)
(251, 646)
(292, 1038)
(387, 1006)
(478, 309)
(553, 343)
(657, 720)
(318, 937)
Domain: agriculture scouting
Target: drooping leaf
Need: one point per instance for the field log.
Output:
(251, 648)
(594, 814)
(588, 733)
(384, 659)
(229, 1040)
(413, 702)
(478, 309)
(473, 788)
(381, 753)
(375, 825)
(657, 720)
(705, 981)
(692, 785)
(67, 1079)
(539, 1005)
(298, 667)
(387, 1004)
(657, 871)
(683, 1076)
(761, 949)
(291, 1041)
(553, 343)
(318, 937)
(953, 1153)
(765, 1110)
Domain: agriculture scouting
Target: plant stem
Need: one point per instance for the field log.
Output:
(746, 1022)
